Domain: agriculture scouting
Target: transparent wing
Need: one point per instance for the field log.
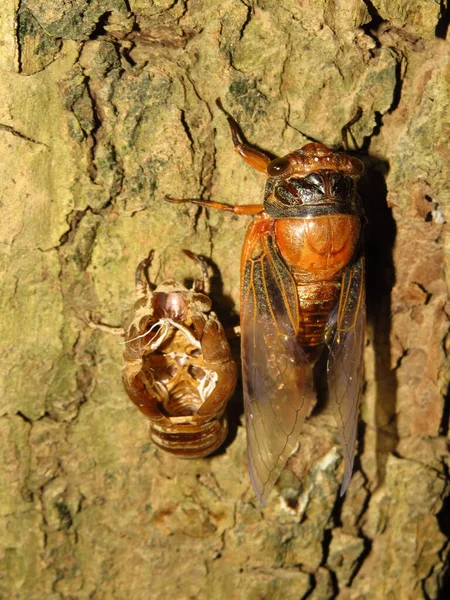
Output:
(345, 362)
(277, 377)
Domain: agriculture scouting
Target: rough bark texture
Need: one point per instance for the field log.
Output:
(106, 106)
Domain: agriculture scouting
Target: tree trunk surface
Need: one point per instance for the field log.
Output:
(106, 108)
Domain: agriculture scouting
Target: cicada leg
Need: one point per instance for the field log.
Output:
(142, 281)
(347, 131)
(255, 158)
(248, 209)
(200, 285)
(142, 287)
(103, 326)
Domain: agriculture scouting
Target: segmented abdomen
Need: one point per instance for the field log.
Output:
(189, 439)
(316, 301)
(317, 251)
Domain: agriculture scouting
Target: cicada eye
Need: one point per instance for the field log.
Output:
(278, 166)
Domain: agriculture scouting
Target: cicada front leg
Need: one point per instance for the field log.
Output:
(255, 158)
(142, 281)
(103, 326)
(200, 285)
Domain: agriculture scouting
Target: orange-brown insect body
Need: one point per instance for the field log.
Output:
(302, 287)
(316, 250)
(178, 368)
(315, 247)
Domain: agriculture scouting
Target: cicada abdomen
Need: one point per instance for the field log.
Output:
(178, 367)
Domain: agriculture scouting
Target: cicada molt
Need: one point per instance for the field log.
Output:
(178, 367)
(302, 289)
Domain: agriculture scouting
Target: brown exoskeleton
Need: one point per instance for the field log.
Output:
(178, 367)
(302, 288)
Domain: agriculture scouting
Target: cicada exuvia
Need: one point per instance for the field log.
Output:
(302, 289)
(178, 368)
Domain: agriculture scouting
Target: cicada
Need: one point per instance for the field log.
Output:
(178, 368)
(302, 290)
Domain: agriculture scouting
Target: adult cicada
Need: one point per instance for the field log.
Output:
(178, 367)
(302, 289)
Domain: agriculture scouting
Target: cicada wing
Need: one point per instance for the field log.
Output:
(277, 377)
(345, 361)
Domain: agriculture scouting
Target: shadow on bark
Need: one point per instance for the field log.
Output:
(380, 240)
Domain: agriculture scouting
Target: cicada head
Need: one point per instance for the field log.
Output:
(172, 300)
(312, 181)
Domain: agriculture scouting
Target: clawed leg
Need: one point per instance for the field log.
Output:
(103, 327)
(141, 278)
(200, 285)
(255, 158)
(346, 130)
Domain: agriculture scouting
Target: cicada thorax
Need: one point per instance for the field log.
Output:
(316, 230)
(178, 370)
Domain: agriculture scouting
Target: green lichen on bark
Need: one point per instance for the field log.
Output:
(106, 107)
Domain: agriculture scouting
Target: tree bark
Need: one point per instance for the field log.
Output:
(106, 108)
